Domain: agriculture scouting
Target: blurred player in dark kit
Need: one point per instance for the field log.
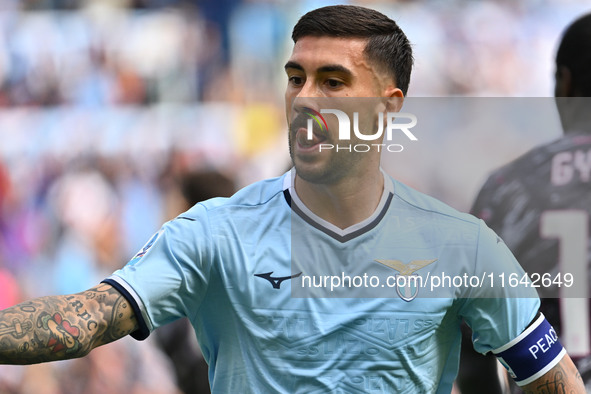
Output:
(540, 204)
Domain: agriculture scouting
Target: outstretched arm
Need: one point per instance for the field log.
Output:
(63, 327)
(563, 378)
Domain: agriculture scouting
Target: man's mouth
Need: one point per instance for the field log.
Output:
(303, 142)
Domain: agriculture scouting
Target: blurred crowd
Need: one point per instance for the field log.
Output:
(117, 52)
(111, 111)
(104, 53)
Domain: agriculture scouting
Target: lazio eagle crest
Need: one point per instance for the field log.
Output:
(409, 291)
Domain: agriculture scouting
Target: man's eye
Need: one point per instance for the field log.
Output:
(294, 80)
(334, 83)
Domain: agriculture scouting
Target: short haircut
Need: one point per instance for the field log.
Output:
(387, 46)
(574, 53)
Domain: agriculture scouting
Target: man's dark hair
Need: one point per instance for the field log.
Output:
(574, 53)
(387, 45)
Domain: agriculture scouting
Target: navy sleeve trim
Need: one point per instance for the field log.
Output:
(287, 196)
(185, 218)
(143, 331)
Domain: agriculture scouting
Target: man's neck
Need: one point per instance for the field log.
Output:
(574, 114)
(344, 203)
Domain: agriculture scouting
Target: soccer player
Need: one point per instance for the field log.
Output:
(228, 263)
(541, 202)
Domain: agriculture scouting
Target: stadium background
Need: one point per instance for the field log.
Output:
(107, 106)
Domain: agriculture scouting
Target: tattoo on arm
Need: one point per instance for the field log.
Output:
(564, 378)
(61, 327)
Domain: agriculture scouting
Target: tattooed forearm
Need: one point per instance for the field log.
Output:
(564, 378)
(61, 327)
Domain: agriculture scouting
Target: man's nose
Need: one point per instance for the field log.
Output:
(308, 97)
(302, 104)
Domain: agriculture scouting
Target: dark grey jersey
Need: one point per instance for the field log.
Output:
(540, 205)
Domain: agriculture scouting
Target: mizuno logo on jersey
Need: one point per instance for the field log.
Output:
(410, 290)
(276, 282)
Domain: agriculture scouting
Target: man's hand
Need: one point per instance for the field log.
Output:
(62, 327)
(564, 378)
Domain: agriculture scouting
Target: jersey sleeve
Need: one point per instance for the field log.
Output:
(505, 304)
(168, 277)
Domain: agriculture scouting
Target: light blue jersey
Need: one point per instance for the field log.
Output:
(242, 270)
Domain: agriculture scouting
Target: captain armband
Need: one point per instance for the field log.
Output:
(533, 353)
